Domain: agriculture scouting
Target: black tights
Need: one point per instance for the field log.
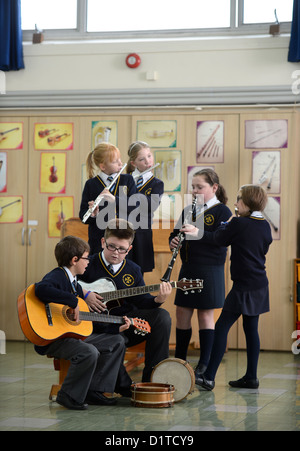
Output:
(224, 323)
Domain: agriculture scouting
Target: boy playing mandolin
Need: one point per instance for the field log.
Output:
(94, 363)
(111, 263)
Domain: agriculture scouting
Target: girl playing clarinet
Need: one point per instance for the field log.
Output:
(202, 261)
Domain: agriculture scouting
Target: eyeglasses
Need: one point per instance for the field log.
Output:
(113, 248)
(84, 258)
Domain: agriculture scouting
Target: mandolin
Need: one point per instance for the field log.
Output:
(112, 298)
(44, 323)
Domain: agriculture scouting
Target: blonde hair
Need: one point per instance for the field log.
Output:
(133, 151)
(102, 153)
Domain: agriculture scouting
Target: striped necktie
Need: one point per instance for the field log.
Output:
(139, 182)
(111, 269)
(74, 286)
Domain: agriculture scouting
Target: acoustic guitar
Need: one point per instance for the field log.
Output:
(44, 323)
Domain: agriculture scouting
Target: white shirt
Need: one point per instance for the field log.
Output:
(136, 174)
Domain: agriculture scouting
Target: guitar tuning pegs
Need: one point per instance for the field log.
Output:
(186, 292)
(193, 291)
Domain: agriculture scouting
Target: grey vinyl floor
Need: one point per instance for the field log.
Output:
(26, 379)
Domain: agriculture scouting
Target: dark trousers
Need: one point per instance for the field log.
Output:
(157, 342)
(95, 363)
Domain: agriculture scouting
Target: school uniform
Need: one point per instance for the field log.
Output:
(128, 275)
(249, 295)
(249, 238)
(142, 252)
(122, 189)
(96, 361)
(205, 261)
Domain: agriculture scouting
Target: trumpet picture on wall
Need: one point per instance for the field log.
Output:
(157, 133)
(210, 142)
(53, 136)
(266, 170)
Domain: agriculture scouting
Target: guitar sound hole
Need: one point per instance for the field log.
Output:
(68, 315)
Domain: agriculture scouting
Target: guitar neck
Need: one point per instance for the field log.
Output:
(98, 318)
(134, 291)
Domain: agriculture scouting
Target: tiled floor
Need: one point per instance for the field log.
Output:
(26, 378)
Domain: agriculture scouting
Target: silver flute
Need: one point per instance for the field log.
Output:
(135, 177)
(100, 197)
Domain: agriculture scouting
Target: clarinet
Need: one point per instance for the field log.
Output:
(100, 197)
(181, 236)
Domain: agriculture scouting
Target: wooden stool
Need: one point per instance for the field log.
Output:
(134, 356)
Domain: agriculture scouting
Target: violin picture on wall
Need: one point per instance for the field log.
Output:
(60, 209)
(53, 172)
(53, 136)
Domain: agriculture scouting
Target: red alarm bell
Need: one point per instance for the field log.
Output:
(133, 60)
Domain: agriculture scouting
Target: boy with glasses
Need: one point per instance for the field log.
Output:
(111, 263)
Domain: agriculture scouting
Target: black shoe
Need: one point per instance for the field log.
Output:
(66, 401)
(245, 383)
(96, 398)
(204, 383)
(125, 392)
(200, 369)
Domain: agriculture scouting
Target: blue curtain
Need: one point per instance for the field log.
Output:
(294, 50)
(11, 50)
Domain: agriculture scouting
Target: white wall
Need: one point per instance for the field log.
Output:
(204, 63)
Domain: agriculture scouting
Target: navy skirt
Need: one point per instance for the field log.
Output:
(249, 303)
(213, 293)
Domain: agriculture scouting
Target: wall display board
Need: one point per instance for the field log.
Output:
(53, 136)
(3, 172)
(157, 133)
(104, 131)
(266, 170)
(210, 142)
(53, 173)
(11, 135)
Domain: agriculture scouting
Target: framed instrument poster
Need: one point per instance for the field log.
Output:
(272, 215)
(53, 173)
(169, 169)
(104, 131)
(3, 172)
(266, 134)
(59, 209)
(157, 133)
(266, 170)
(210, 142)
(11, 209)
(53, 136)
(11, 135)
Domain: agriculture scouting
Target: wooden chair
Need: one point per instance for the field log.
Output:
(134, 356)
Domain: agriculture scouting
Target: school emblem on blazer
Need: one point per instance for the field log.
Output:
(148, 191)
(128, 280)
(209, 219)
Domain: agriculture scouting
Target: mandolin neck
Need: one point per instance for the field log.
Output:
(134, 291)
